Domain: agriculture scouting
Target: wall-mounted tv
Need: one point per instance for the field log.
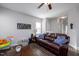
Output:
(23, 26)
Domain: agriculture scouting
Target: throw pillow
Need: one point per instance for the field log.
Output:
(41, 36)
(60, 41)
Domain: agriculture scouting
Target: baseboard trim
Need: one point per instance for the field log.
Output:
(74, 47)
(77, 48)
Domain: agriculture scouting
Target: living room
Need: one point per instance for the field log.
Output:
(19, 20)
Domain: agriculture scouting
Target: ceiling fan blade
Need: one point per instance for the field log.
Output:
(49, 6)
(41, 5)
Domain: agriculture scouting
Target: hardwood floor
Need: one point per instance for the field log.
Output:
(36, 50)
(72, 52)
(26, 51)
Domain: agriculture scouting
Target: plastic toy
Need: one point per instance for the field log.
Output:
(4, 43)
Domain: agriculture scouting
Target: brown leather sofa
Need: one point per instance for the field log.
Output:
(48, 44)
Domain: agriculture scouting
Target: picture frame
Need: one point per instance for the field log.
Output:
(23, 26)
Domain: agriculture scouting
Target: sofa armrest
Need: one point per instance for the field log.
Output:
(63, 50)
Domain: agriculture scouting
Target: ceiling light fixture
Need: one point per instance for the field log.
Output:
(63, 17)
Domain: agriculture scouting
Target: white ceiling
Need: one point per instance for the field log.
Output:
(31, 8)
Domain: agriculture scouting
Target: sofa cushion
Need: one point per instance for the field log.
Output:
(60, 40)
(49, 44)
(40, 36)
(60, 37)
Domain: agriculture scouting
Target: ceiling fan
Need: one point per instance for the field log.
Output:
(48, 4)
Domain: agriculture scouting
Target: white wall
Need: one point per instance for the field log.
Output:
(48, 25)
(73, 17)
(55, 27)
(9, 20)
(52, 25)
(43, 25)
(77, 26)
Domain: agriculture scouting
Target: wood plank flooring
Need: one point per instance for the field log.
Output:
(36, 50)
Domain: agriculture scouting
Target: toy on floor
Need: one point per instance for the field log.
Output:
(6, 42)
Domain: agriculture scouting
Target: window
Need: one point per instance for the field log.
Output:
(38, 27)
